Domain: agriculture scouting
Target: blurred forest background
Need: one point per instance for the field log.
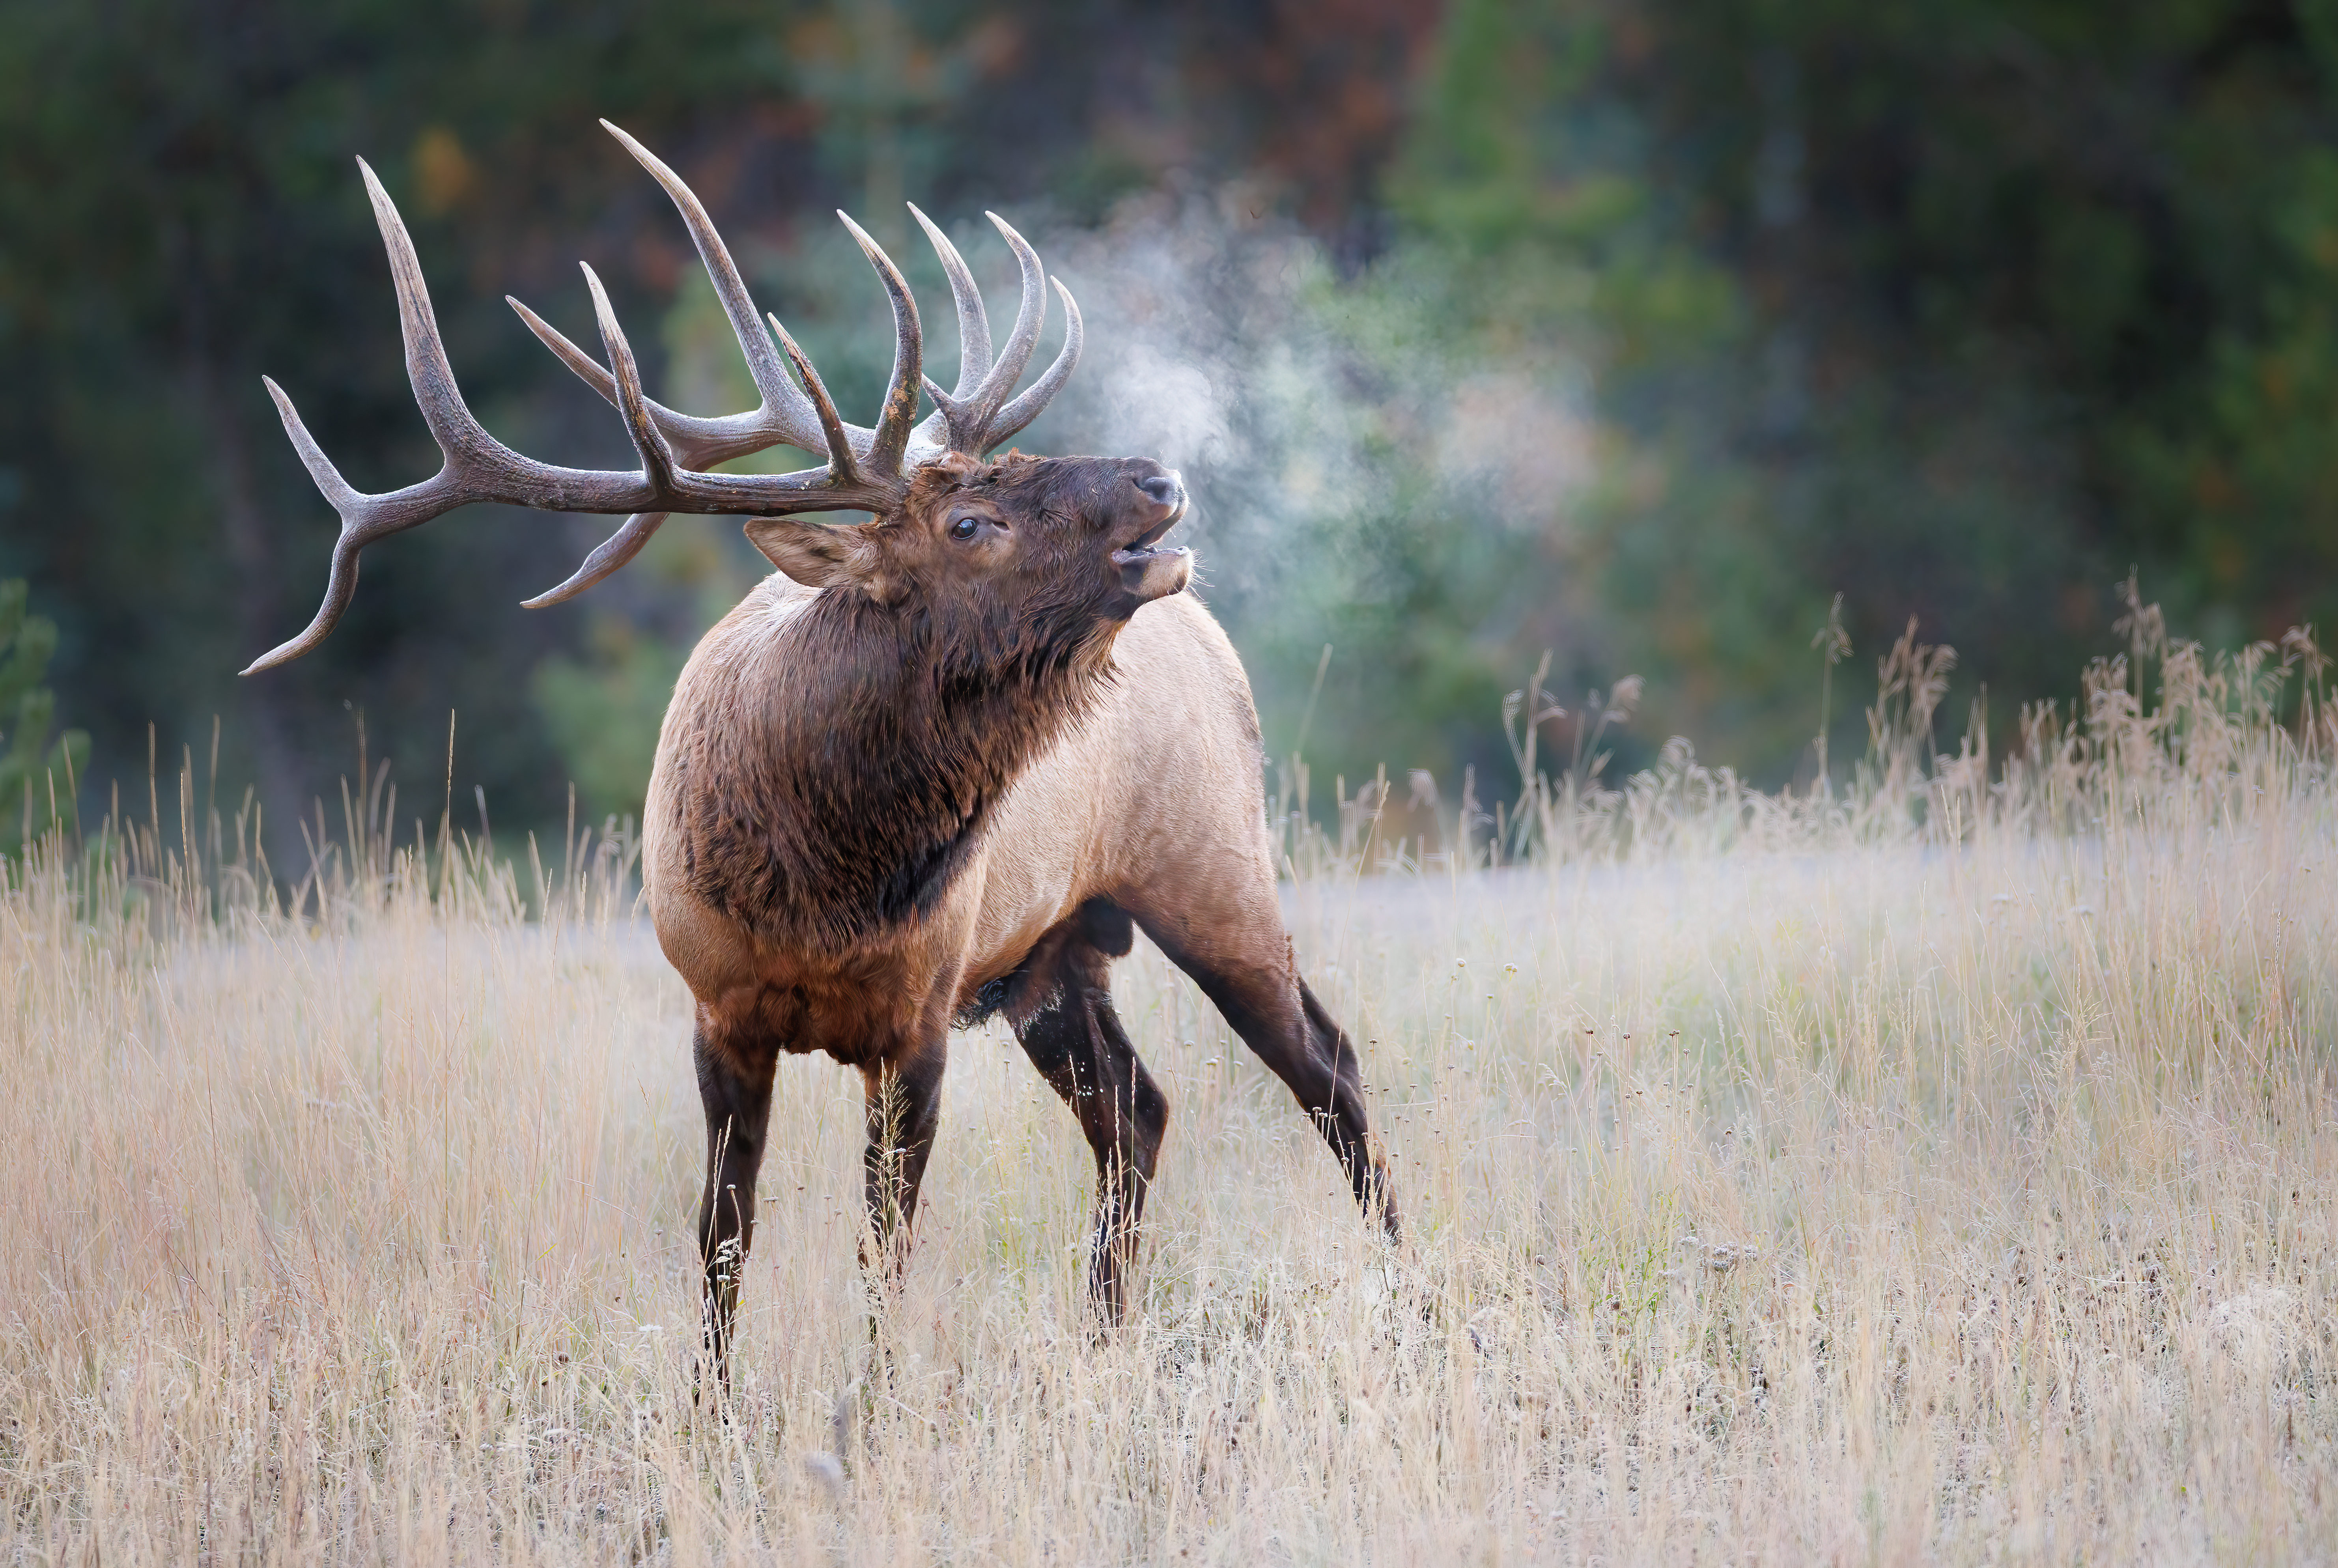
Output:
(1633, 332)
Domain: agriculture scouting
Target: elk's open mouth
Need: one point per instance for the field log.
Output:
(1149, 571)
(1142, 545)
(1139, 553)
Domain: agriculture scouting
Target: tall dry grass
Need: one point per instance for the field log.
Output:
(1939, 1165)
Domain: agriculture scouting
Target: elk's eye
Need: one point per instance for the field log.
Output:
(964, 527)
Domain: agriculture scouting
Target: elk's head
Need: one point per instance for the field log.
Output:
(1059, 547)
(1059, 544)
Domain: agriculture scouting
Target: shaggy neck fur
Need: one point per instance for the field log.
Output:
(843, 798)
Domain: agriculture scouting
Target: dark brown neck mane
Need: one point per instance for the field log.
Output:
(843, 800)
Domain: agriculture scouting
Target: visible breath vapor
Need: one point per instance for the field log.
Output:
(1363, 457)
(1303, 410)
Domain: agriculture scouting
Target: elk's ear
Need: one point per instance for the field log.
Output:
(827, 556)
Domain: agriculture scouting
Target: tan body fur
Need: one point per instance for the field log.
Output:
(1151, 799)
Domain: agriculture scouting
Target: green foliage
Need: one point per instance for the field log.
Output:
(1539, 471)
(2252, 486)
(604, 715)
(2038, 295)
(37, 779)
(603, 706)
(1955, 308)
(1528, 182)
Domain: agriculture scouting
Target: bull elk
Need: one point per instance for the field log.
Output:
(939, 767)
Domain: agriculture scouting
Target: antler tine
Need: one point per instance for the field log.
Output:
(607, 557)
(842, 464)
(898, 413)
(1030, 315)
(961, 422)
(353, 505)
(426, 370)
(588, 369)
(1040, 393)
(973, 321)
(698, 442)
(658, 459)
(780, 396)
(657, 456)
(783, 413)
(952, 422)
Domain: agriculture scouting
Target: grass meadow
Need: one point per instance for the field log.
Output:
(1936, 1167)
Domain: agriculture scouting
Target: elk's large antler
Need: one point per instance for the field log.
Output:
(867, 470)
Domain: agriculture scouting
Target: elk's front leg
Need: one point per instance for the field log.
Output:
(904, 1108)
(735, 1084)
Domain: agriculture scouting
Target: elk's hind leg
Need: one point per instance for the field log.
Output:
(1240, 955)
(1063, 1016)
(735, 1084)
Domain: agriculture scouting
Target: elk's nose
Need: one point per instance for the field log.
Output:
(1162, 489)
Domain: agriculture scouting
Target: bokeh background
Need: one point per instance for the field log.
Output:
(1633, 333)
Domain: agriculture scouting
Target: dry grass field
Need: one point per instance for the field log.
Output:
(1944, 1171)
